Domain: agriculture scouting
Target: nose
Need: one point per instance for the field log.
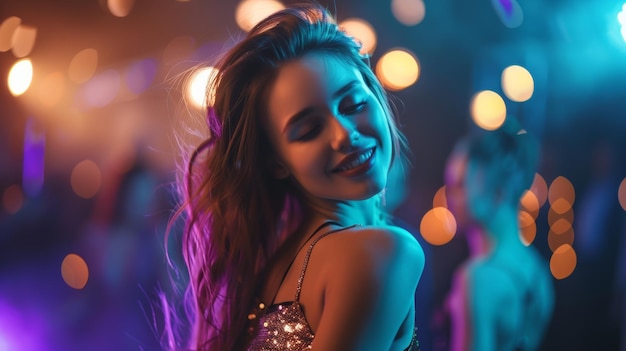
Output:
(345, 134)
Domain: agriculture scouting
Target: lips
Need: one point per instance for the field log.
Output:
(355, 161)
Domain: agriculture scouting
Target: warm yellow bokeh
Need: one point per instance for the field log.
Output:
(553, 216)
(20, 77)
(530, 203)
(540, 189)
(74, 271)
(23, 40)
(397, 69)
(362, 31)
(488, 110)
(251, 12)
(198, 85)
(83, 66)
(563, 261)
(120, 8)
(408, 12)
(517, 83)
(438, 226)
(528, 227)
(52, 89)
(7, 30)
(561, 232)
(561, 195)
(439, 199)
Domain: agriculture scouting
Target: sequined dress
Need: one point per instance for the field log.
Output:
(283, 326)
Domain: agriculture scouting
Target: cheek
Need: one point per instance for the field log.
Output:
(305, 163)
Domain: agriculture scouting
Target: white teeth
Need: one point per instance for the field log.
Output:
(358, 161)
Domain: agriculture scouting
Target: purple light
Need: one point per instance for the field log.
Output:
(140, 75)
(507, 6)
(34, 152)
(18, 330)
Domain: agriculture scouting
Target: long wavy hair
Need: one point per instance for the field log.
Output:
(236, 213)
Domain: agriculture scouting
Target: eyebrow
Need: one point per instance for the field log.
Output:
(308, 110)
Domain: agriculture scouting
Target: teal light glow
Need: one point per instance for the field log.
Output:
(621, 18)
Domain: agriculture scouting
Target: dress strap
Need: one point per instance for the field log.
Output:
(308, 255)
(326, 223)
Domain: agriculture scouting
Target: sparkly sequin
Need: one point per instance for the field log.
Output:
(283, 326)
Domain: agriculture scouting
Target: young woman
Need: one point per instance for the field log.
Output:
(502, 296)
(286, 242)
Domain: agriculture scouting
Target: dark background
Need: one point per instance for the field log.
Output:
(578, 110)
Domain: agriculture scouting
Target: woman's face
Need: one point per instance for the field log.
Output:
(469, 196)
(329, 131)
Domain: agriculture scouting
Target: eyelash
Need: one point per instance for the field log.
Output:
(356, 108)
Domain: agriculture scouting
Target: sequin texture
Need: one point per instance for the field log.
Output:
(283, 327)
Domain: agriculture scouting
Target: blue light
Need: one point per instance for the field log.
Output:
(621, 18)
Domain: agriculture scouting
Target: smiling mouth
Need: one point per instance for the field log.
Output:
(361, 159)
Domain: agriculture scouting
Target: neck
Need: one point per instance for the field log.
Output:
(500, 232)
(364, 212)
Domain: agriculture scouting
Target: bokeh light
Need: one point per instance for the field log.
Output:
(509, 12)
(197, 87)
(52, 89)
(563, 261)
(251, 12)
(561, 194)
(83, 66)
(438, 226)
(86, 179)
(20, 77)
(408, 12)
(120, 8)
(12, 200)
(439, 199)
(488, 110)
(553, 216)
(517, 83)
(540, 189)
(74, 271)
(140, 74)
(23, 40)
(361, 31)
(530, 203)
(621, 194)
(101, 89)
(561, 232)
(7, 29)
(528, 228)
(397, 69)
(33, 163)
(178, 49)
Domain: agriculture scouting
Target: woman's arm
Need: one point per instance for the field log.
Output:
(370, 279)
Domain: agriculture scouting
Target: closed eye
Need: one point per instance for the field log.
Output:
(309, 134)
(352, 109)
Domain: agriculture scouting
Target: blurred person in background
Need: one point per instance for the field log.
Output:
(502, 296)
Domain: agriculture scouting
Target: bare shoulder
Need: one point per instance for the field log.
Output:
(371, 249)
(368, 278)
(380, 243)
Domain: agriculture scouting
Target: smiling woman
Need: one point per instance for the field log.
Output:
(286, 243)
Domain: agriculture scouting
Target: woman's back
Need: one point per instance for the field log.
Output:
(509, 299)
